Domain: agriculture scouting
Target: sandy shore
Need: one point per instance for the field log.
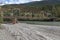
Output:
(23, 31)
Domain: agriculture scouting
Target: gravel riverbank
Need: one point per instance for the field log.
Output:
(23, 31)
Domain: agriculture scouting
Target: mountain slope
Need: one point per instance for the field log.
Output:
(38, 3)
(46, 2)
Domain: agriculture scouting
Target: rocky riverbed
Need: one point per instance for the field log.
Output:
(23, 31)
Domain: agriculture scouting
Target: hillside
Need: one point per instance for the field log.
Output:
(42, 3)
(50, 8)
(38, 3)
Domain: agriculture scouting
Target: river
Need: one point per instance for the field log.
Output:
(42, 23)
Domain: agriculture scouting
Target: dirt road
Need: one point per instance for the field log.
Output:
(23, 31)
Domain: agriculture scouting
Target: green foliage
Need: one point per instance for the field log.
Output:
(16, 12)
(53, 9)
(1, 20)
